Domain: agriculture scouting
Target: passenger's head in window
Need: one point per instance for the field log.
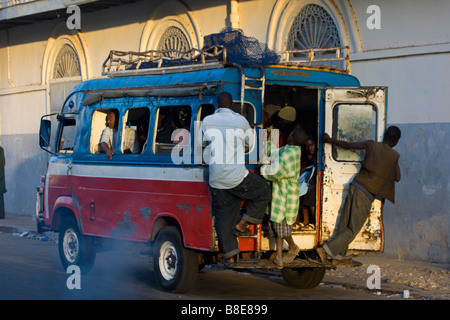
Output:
(269, 111)
(109, 135)
(111, 120)
(286, 116)
(297, 137)
(284, 120)
(184, 118)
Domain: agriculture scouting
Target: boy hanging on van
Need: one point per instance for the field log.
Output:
(285, 194)
(109, 135)
(375, 180)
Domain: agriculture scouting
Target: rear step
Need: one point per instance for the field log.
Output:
(268, 264)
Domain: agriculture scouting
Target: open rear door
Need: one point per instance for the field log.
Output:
(350, 114)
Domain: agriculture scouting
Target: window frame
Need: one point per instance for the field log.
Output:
(124, 123)
(99, 130)
(169, 146)
(349, 155)
(66, 123)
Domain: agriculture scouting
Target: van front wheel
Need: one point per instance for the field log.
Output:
(75, 248)
(303, 278)
(175, 267)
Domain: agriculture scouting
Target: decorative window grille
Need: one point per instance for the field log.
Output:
(313, 28)
(66, 64)
(173, 39)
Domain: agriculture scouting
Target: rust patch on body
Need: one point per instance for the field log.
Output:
(287, 73)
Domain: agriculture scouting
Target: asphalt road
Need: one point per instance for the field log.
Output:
(30, 269)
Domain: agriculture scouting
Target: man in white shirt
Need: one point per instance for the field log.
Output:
(109, 135)
(230, 182)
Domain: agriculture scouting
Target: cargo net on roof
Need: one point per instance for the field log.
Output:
(242, 50)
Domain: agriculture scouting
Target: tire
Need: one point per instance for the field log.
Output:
(75, 248)
(303, 278)
(175, 267)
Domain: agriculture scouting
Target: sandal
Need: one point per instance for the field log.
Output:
(238, 233)
(308, 227)
(298, 226)
(227, 263)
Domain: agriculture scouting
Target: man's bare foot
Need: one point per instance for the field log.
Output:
(241, 226)
(322, 254)
(278, 262)
(291, 254)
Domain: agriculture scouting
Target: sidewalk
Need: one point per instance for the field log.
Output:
(399, 278)
(416, 279)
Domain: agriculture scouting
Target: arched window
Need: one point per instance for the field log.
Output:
(66, 64)
(66, 74)
(173, 39)
(313, 28)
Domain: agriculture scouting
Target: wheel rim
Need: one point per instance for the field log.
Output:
(168, 260)
(71, 245)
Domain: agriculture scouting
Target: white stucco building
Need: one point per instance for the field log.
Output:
(404, 45)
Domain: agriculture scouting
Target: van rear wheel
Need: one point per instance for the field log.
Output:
(75, 248)
(175, 267)
(303, 278)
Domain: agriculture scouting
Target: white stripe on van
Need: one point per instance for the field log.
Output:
(140, 172)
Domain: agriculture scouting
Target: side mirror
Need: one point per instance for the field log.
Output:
(45, 133)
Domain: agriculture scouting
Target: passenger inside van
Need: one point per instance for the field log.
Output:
(305, 219)
(284, 121)
(269, 111)
(142, 132)
(169, 120)
(130, 141)
(109, 135)
(165, 126)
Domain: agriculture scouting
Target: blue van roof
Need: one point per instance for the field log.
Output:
(274, 75)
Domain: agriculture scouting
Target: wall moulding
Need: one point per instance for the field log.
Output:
(170, 13)
(284, 12)
(60, 37)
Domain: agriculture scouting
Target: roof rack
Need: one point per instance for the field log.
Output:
(339, 58)
(123, 63)
(162, 61)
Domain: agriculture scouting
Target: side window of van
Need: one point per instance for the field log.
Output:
(101, 132)
(67, 137)
(248, 112)
(170, 118)
(135, 130)
(205, 110)
(353, 122)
